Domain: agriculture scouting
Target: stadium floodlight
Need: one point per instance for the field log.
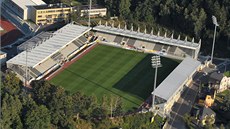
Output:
(90, 5)
(156, 62)
(26, 48)
(214, 21)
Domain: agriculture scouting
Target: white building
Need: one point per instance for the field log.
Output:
(148, 42)
(3, 57)
(50, 54)
(172, 87)
(224, 84)
(22, 7)
(96, 11)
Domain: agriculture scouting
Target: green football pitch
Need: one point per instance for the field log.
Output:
(113, 71)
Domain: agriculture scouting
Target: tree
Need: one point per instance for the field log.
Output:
(38, 118)
(84, 105)
(11, 84)
(61, 108)
(222, 126)
(42, 91)
(188, 120)
(10, 112)
(209, 122)
(227, 101)
(124, 10)
(199, 22)
(118, 110)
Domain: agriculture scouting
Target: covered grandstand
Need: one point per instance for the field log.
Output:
(171, 88)
(148, 42)
(50, 53)
(34, 41)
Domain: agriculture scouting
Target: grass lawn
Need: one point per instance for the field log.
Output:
(113, 71)
(227, 73)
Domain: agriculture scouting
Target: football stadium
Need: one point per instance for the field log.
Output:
(108, 60)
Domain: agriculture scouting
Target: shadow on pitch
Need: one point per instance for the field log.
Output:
(96, 84)
(139, 80)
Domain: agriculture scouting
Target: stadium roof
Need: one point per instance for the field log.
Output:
(24, 3)
(34, 41)
(52, 6)
(146, 37)
(176, 78)
(60, 38)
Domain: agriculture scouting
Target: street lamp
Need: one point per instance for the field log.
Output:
(156, 62)
(214, 21)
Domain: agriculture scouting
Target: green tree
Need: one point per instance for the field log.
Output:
(124, 8)
(61, 108)
(222, 126)
(11, 84)
(10, 112)
(38, 118)
(227, 101)
(199, 22)
(84, 105)
(42, 91)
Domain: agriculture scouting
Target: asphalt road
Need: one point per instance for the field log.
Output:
(188, 97)
(183, 106)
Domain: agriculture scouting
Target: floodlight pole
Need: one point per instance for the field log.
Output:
(26, 66)
(213, 43)
(214, 36)
(154, 87)
(90, 4)
(155, 64)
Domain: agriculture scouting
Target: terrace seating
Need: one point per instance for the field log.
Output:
(118, 39)
(165, 47)
(82, 39)
(125, 39)
(131, 42)
(187, 51)
(77, 43)
(157, 47)
(172, 49)
(35, 71)
(69, 49)
(56, 56)
(46, 65)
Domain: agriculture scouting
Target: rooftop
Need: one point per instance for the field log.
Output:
(92, 7)
(52, 6)
(25, 3)
(34, 41)
(2, 53)
(169, 86)
(56, 42)
(206, 112)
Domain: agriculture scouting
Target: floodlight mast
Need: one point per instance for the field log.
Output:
(214, 20)
(90, 5)
(156, 62)
(26, 66)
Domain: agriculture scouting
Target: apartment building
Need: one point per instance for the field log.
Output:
(96, 11)
(51, 13)
(22, 8)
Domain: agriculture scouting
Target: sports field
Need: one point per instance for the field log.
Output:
(113, 71)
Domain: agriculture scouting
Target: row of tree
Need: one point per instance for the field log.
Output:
(48, 106)
(190, 17)
(185, 17)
